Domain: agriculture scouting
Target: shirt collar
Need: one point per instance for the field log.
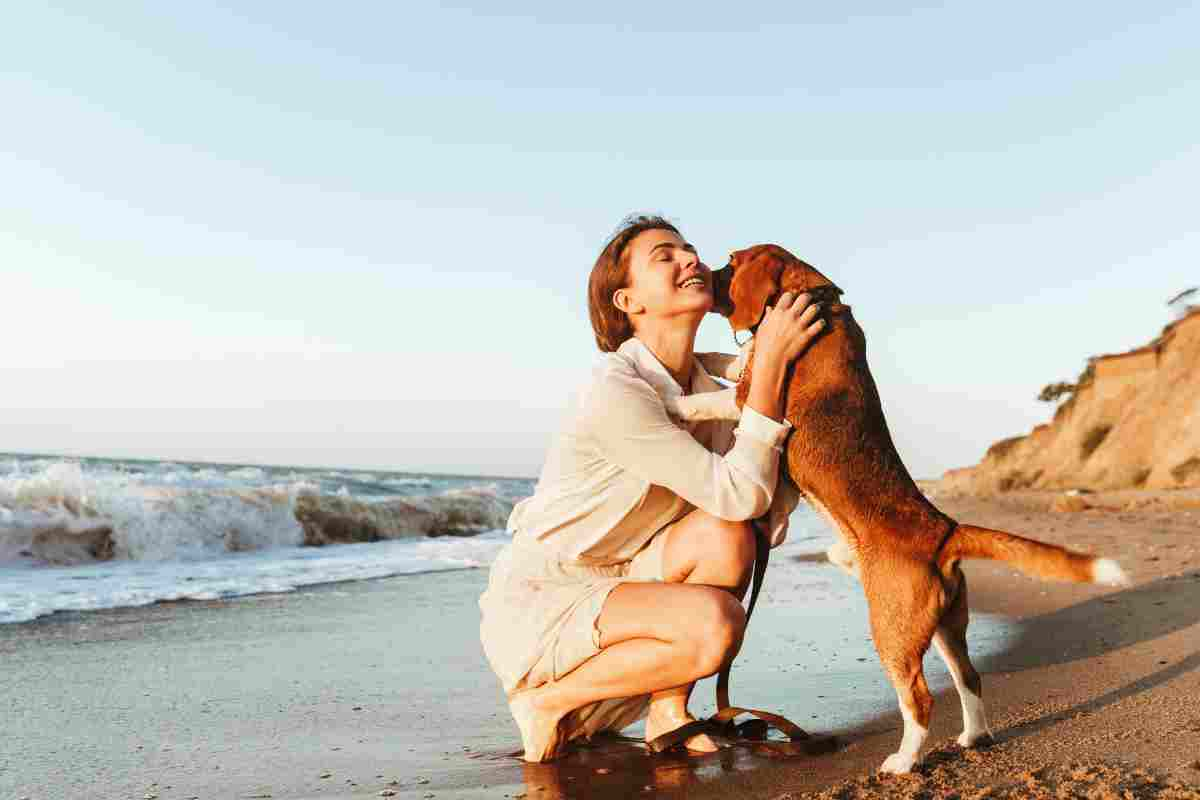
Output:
(655, 374)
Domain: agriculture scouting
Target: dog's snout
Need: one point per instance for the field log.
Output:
(720, 283)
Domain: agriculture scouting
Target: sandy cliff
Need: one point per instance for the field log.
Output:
(1133, 422)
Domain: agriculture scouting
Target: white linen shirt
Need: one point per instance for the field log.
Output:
(620, 469)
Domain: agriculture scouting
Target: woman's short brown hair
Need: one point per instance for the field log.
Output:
(611, 272)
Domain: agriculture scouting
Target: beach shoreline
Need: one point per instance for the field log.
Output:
(357, 689)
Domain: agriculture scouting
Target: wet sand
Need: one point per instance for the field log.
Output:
(361, 689)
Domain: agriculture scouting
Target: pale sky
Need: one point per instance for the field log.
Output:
(359, 234)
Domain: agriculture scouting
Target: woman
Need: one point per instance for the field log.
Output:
(622, 584)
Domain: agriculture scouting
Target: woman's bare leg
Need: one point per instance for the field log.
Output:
(653, 636)
(700, 549)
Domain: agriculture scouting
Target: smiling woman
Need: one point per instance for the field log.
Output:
(611, 274)
(622, 582)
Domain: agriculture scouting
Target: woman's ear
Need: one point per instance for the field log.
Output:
(752, 286)
(625, 302)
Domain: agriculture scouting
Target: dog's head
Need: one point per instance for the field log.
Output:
(755, 277)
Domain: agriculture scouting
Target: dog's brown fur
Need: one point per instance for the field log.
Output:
(840, 455)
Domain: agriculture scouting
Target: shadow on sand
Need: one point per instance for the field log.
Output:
(1099, 626)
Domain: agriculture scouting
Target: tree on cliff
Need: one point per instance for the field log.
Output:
(1052, 391)
(1183, 302)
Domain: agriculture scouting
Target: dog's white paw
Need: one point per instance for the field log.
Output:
(1109, 572)
(972, 738)
(898, 764)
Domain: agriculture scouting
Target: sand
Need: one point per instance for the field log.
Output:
(370, 688)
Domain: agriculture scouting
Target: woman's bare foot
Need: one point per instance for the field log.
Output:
(660, 722)
(538, 724)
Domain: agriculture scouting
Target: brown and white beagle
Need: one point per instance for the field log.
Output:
(841, 458)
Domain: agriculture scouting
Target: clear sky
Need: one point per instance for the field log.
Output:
(358, 234)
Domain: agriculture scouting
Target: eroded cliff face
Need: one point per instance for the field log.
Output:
(1135, 423)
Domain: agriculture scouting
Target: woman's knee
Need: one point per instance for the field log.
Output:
(735, 541)
(715, 543)
(718, 626)
(730, 547)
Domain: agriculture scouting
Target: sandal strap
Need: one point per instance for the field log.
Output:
(681, 734)
(726, 715)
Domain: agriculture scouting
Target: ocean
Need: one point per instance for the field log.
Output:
(88, 533)
(78, 534)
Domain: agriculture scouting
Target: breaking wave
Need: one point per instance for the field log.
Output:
(211, 530)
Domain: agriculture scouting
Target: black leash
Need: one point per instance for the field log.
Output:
(722, 723)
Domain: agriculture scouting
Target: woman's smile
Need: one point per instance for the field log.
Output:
(695, 279)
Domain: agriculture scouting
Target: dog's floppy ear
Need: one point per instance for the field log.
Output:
(753, 284)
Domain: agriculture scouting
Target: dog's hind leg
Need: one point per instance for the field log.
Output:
(902, 628)
(951, 643)
(916, 706)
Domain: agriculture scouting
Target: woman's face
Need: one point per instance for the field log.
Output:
(666, 278)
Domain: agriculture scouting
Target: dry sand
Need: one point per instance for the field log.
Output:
(361, 689)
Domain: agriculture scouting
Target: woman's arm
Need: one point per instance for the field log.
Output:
(629, 426)
(632, 430)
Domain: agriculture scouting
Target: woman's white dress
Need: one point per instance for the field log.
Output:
(616, 476)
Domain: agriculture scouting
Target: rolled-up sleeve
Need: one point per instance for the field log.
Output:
(631, 429)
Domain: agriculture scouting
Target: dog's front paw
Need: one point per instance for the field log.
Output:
(898, 764)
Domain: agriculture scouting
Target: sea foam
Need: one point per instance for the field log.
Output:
(99, 533)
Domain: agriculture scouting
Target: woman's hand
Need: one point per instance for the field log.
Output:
(786, 330)
(784, 333)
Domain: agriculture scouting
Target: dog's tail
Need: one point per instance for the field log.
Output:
(1037, 559)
